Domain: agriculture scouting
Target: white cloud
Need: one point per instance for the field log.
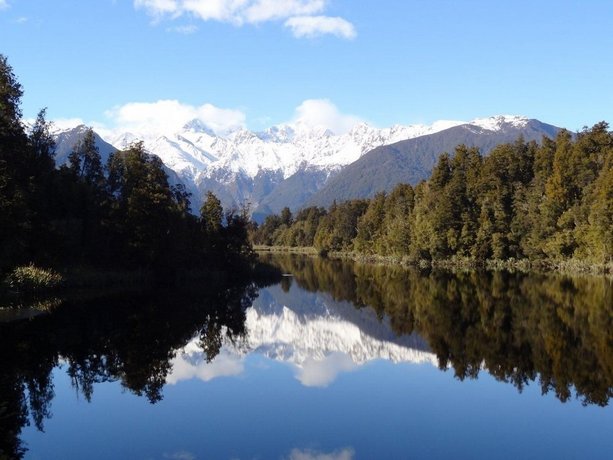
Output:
(267, 10)
(166, 116)
(344, 454)
(61, 124)
(216, 10)
(300, 14)
(4, 4)
(314, 26)
(322, 112)
(159, 8)
(321, 373)
(185, 367)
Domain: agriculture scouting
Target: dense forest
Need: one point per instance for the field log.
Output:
(526, 200)
(123, 214)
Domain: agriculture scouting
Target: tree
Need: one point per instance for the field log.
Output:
(10, 98)
(399, 206)
(42, 143)
(339, 227)
(85, 161)
(143, 210)
(370, 225)
(13, 148)
(286, 216)
(237, 249)
(211, 214)
(26, 170)
(40, 169)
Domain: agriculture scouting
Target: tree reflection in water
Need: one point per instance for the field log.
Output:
(521, 328)
(550, 328)
(127, 339)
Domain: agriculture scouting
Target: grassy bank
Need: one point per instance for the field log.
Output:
(42, 289)
(307, 250)
(457, 263)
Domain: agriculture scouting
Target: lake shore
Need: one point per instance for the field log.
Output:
(44, 289)
(571, 266)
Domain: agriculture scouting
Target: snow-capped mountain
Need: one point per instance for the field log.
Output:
(195, 151)
(283, 165)
(315, 335)
(412, 160)
(244, 166)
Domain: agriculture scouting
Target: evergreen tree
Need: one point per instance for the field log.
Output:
(286, 217)
(370, 226)
(85, 161)
(13, 175)
(399, 206)
(211, 214)
(339, 227)
(143, 206)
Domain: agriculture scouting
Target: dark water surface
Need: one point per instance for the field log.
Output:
(338, 361)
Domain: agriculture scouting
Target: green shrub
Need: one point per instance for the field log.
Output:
(31, 279)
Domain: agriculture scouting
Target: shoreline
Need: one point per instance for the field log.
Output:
(574, 267)
(88, 282)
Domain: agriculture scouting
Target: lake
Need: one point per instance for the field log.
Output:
(326, 360)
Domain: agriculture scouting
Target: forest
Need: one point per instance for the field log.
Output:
(123, 214)
(548, 201)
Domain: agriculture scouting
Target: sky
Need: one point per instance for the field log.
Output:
(135, 64)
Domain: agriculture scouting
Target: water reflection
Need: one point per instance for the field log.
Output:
(306, 454)
(316, 335)
(330, 318)
(132, 340)
(521, 328)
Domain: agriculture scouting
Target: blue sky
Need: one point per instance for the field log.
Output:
(121, 63)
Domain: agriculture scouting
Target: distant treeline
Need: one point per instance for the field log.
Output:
(525, 200)
(124, 213)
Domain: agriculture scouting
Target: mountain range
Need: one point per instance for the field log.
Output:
(297, 164)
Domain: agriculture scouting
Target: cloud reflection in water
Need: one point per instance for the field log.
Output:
(315, 335)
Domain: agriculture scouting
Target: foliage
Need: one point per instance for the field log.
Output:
(549, 201)
(32, 279)
(123, 214)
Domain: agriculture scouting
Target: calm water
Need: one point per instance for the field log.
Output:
(337, 361)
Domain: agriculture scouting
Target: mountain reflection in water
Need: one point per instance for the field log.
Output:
(331, 317)
(318, 336)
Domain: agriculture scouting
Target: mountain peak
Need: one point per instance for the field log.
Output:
(278, 133)
(198, 126)
(498, 122)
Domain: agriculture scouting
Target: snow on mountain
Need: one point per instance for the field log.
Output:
(315, 335)
(244, 166)
(500, 122)
(283, 147)
(196, 150)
